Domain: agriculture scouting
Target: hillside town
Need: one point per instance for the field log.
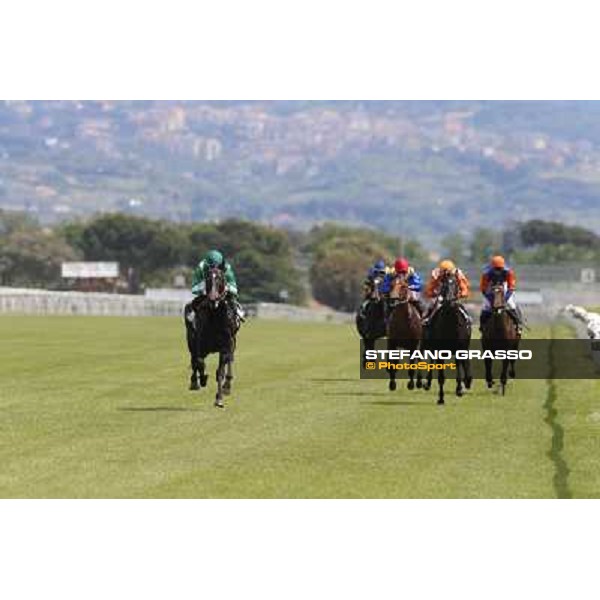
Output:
(276, 162)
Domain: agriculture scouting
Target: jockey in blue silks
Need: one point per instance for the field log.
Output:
(375, 276)
(403, 269)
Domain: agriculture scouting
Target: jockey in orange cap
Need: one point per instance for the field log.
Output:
(497, 272)
(433, 288)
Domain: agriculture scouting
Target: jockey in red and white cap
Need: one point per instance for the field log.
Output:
(402, 269)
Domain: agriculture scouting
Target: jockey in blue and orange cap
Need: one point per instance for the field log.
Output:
(494, 273)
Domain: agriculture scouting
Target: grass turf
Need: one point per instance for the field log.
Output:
(99, 407)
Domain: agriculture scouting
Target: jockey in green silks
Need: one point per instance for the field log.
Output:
(213, 259)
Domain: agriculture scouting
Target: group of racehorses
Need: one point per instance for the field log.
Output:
(211, 327)
(396, 318)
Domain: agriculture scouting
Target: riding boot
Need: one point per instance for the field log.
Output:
(465, 314)
(517, 318)
(426, 321)
(189, 313)
(429, 314)
(239, 311)
(235, 310)
(418, 304)
(387, 309)
(363, 308)
(425, 318)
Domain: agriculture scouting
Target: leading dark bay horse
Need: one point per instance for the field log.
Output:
(370, 321)
(449, 329)
(404, 328)
(211, 327)
(500, 332)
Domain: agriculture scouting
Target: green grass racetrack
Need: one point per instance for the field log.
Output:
(99, 407)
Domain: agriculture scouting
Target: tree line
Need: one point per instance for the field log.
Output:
(529, 242)
(328, 262)
(156, 250)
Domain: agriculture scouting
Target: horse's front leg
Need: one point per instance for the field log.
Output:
(411, 375)
(202, 375)
(391, 345)
(468, 375)
(504, 376)
(428, 378)
(460, 374)
(441, 380)
(369, 344)
(488, 372)
(392, 383)
(194, 376)
(228, 376)
(190, 336)
(220, 375)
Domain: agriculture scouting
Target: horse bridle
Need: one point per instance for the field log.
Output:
(445, 289)
(400, 283)
(498, 290)
(374, 289)
(215, 277)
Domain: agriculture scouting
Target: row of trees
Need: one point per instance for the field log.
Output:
(267, 261)
(341, 257)
(30, 254)
(530, 242)
(155, 250)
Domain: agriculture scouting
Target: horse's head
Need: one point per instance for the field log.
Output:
(399, 290)
(498, 298)
(215, 286)
(372, 289)
(448, 287)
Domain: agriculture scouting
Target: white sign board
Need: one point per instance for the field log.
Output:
(588, 275)
(90, 270)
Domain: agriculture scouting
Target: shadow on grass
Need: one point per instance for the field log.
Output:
(423, 403)
(333, 379)
(367, 394)
(156, 409)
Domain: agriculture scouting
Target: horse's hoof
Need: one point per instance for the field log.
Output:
(440, 401)
(460, 393)
(419, 383)
(219, 403)
(468, 383)
(392, 386)
(194, 385)
(426, 386)
(490, 384)
(411, 385)
(203, 380)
